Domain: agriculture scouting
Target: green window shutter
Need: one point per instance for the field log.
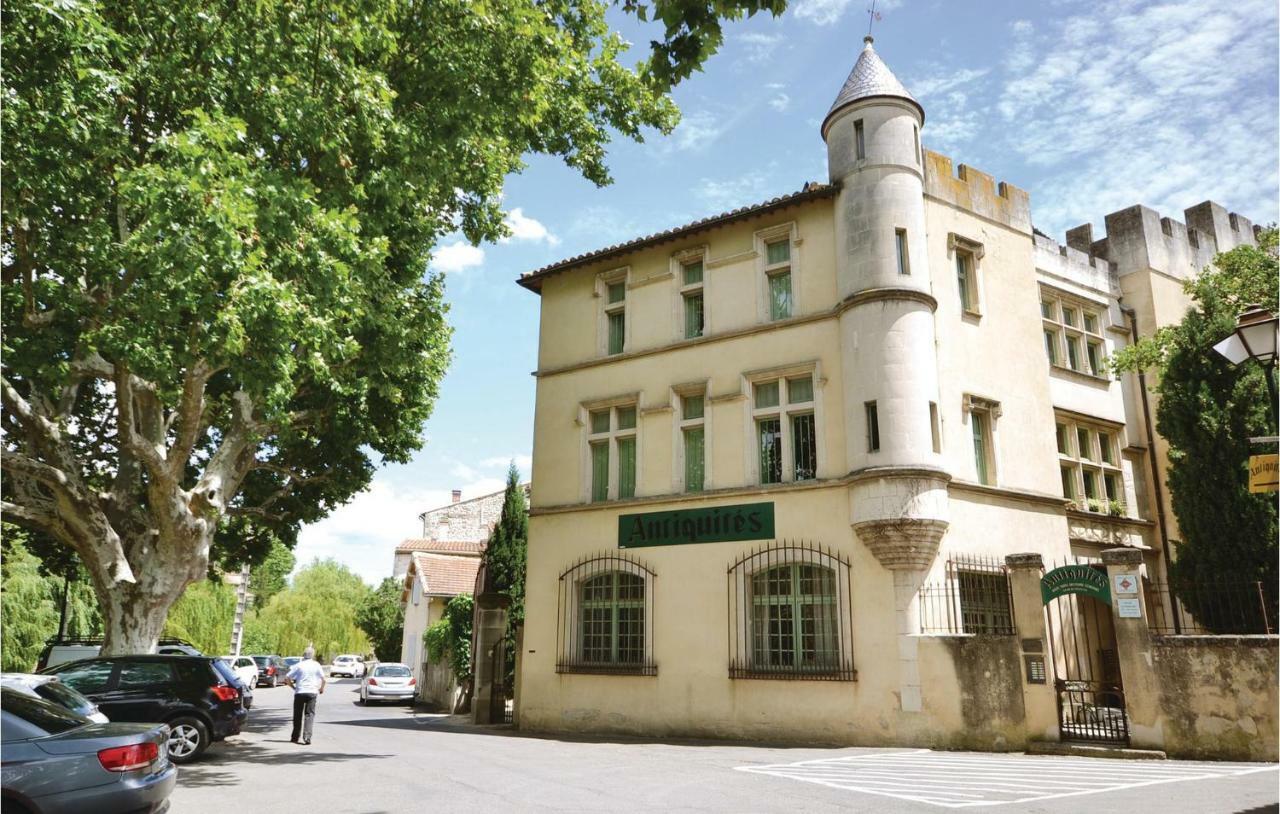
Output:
(769, 433)
(626, 467)
(1068, 483)
(617, 292)
(617, 331)
(694, 459)
(694, 407)
(600, 421)
(979, 422)
(600, 471)
(778, 252)
(626, 418)
(766, 395)
(780, 295)
(800, 391)
(962, 279)
(693, 315)
(1051, 346)
(692, 272)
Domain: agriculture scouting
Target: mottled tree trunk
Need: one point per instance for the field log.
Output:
(134, 613)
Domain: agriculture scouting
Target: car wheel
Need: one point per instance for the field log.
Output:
(188, 738)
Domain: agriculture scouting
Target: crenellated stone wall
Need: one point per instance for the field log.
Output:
(976, 192)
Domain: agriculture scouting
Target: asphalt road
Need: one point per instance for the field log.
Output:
(389, 759)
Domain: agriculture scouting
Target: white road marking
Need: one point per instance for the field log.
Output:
(966, 779)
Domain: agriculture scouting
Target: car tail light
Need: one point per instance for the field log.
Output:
(271, 671)
(224, 692)
(128, 758)
(413, 681)
(373, 682)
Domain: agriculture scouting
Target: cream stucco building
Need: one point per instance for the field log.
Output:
(764, 438)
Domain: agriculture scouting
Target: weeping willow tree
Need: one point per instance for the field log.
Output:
(319, 609)
(203, 616)
(31, 601)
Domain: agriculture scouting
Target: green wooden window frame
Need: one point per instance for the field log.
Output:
(981, 445)
(795, 622)
(611, 611)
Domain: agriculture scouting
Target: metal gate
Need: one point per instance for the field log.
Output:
(502, 694)
(1082, 646)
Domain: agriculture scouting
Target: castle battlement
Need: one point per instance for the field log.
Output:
(1139, 238)
(1076, 266)
(977, 192)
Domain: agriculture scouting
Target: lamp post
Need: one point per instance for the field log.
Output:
(1254, 338)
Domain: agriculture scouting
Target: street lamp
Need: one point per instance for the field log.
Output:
(1254, 338)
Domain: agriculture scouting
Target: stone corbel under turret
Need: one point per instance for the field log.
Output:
(900, 514)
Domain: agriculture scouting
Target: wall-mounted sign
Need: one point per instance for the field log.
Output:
(718, 524)
(1124, 584)
(1128, 608)
(1264, 473)
(1075, 579)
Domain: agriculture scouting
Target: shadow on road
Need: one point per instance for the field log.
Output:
(220, 765)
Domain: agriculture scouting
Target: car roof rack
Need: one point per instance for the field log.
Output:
(99, 640)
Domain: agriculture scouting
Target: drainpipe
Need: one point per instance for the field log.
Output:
(1155, 471)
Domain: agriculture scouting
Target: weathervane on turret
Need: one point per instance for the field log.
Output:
(874, 17)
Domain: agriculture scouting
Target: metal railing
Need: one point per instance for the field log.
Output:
(606, 617)
(1207, 608)
(974, 597)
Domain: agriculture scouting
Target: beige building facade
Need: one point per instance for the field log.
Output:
(773, 448)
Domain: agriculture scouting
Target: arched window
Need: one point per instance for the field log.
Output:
(789, 614)
(606, 612)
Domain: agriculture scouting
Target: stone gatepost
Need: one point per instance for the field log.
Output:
(1134, 648)
(1039, 696)
(488, 629)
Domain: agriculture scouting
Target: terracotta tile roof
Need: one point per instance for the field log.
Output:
(472, 548)
(811, 191)
(446, 575)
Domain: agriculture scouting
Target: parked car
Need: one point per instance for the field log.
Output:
(60, 651)
(245, 668)
(347, 665)
(59, 762)
(54, 691)
(271, 670)
(197, 696)
(388, 682)
(289, 661)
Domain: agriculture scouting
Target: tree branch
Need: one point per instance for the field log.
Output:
(148, 454)
(189, 417)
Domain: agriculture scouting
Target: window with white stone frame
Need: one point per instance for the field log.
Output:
(1073, 333)
(784, 427)
(689, 270)
(1089, 465)
(967, 256)
(611, 291)
(691, 437)
(982, 414)
(611, 451)
(776, 248)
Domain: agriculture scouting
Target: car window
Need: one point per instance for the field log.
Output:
(226, 673)
(89, 677)
(245, 663)
(40, 713)
(392, 672)
(197, 671)
(64, 696)
(135, 674)
(261, 661)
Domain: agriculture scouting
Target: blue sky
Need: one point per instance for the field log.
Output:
(1091, 107)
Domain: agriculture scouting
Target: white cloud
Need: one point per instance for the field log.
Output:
(780, 102)
(523, 462)
(944, 81)
(456, 257)
(696, 131)
(826, 12)
(1164, 104)
(524, 227)
(741, 191)
(760, 46)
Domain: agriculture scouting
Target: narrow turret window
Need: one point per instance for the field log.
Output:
(860, 139)
(900, 239)
(873, 427)
(919, 152)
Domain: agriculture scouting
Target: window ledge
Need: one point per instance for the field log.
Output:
(1090, 378)
(608, 669)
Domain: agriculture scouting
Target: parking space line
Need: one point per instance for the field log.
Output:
(959, 780)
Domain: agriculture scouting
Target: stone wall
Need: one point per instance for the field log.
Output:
(466, 520)
(983, 696)
(1218, 696)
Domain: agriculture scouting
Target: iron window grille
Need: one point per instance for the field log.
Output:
(790, 614)
(974, 597)
(606, 617)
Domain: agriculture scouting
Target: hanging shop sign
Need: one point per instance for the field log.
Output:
(1264, 473)
(1075, 579)
(718, 524)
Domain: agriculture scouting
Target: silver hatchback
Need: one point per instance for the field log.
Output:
(388, 682)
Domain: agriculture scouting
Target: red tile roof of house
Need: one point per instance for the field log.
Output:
(446, 575)
(472, 548)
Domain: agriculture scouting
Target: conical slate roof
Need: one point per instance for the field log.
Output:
(870, 77)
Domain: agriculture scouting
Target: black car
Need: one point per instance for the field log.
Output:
(197, 696)
(271, 670)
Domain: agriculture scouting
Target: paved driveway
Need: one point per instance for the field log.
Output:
(388, 759)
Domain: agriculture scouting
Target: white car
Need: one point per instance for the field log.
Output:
(347, 665)
(245, 668)
(54, 691)
(388, 682)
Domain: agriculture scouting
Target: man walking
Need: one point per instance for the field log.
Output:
(307, 679)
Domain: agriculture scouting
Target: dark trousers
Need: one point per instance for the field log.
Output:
(304, 714)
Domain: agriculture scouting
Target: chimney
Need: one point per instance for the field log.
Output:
(457, 495)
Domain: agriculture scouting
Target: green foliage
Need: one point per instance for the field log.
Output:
(318, 609)
(1208, 411)
(32, 603)
(214, 230)
(450, 637)
(204, 616)
(506, 554)
(382, 619)
(272, 575)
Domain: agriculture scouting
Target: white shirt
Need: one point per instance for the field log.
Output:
(307, 676)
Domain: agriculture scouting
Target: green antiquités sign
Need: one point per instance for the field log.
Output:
(718, 524)
(1075, 579)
